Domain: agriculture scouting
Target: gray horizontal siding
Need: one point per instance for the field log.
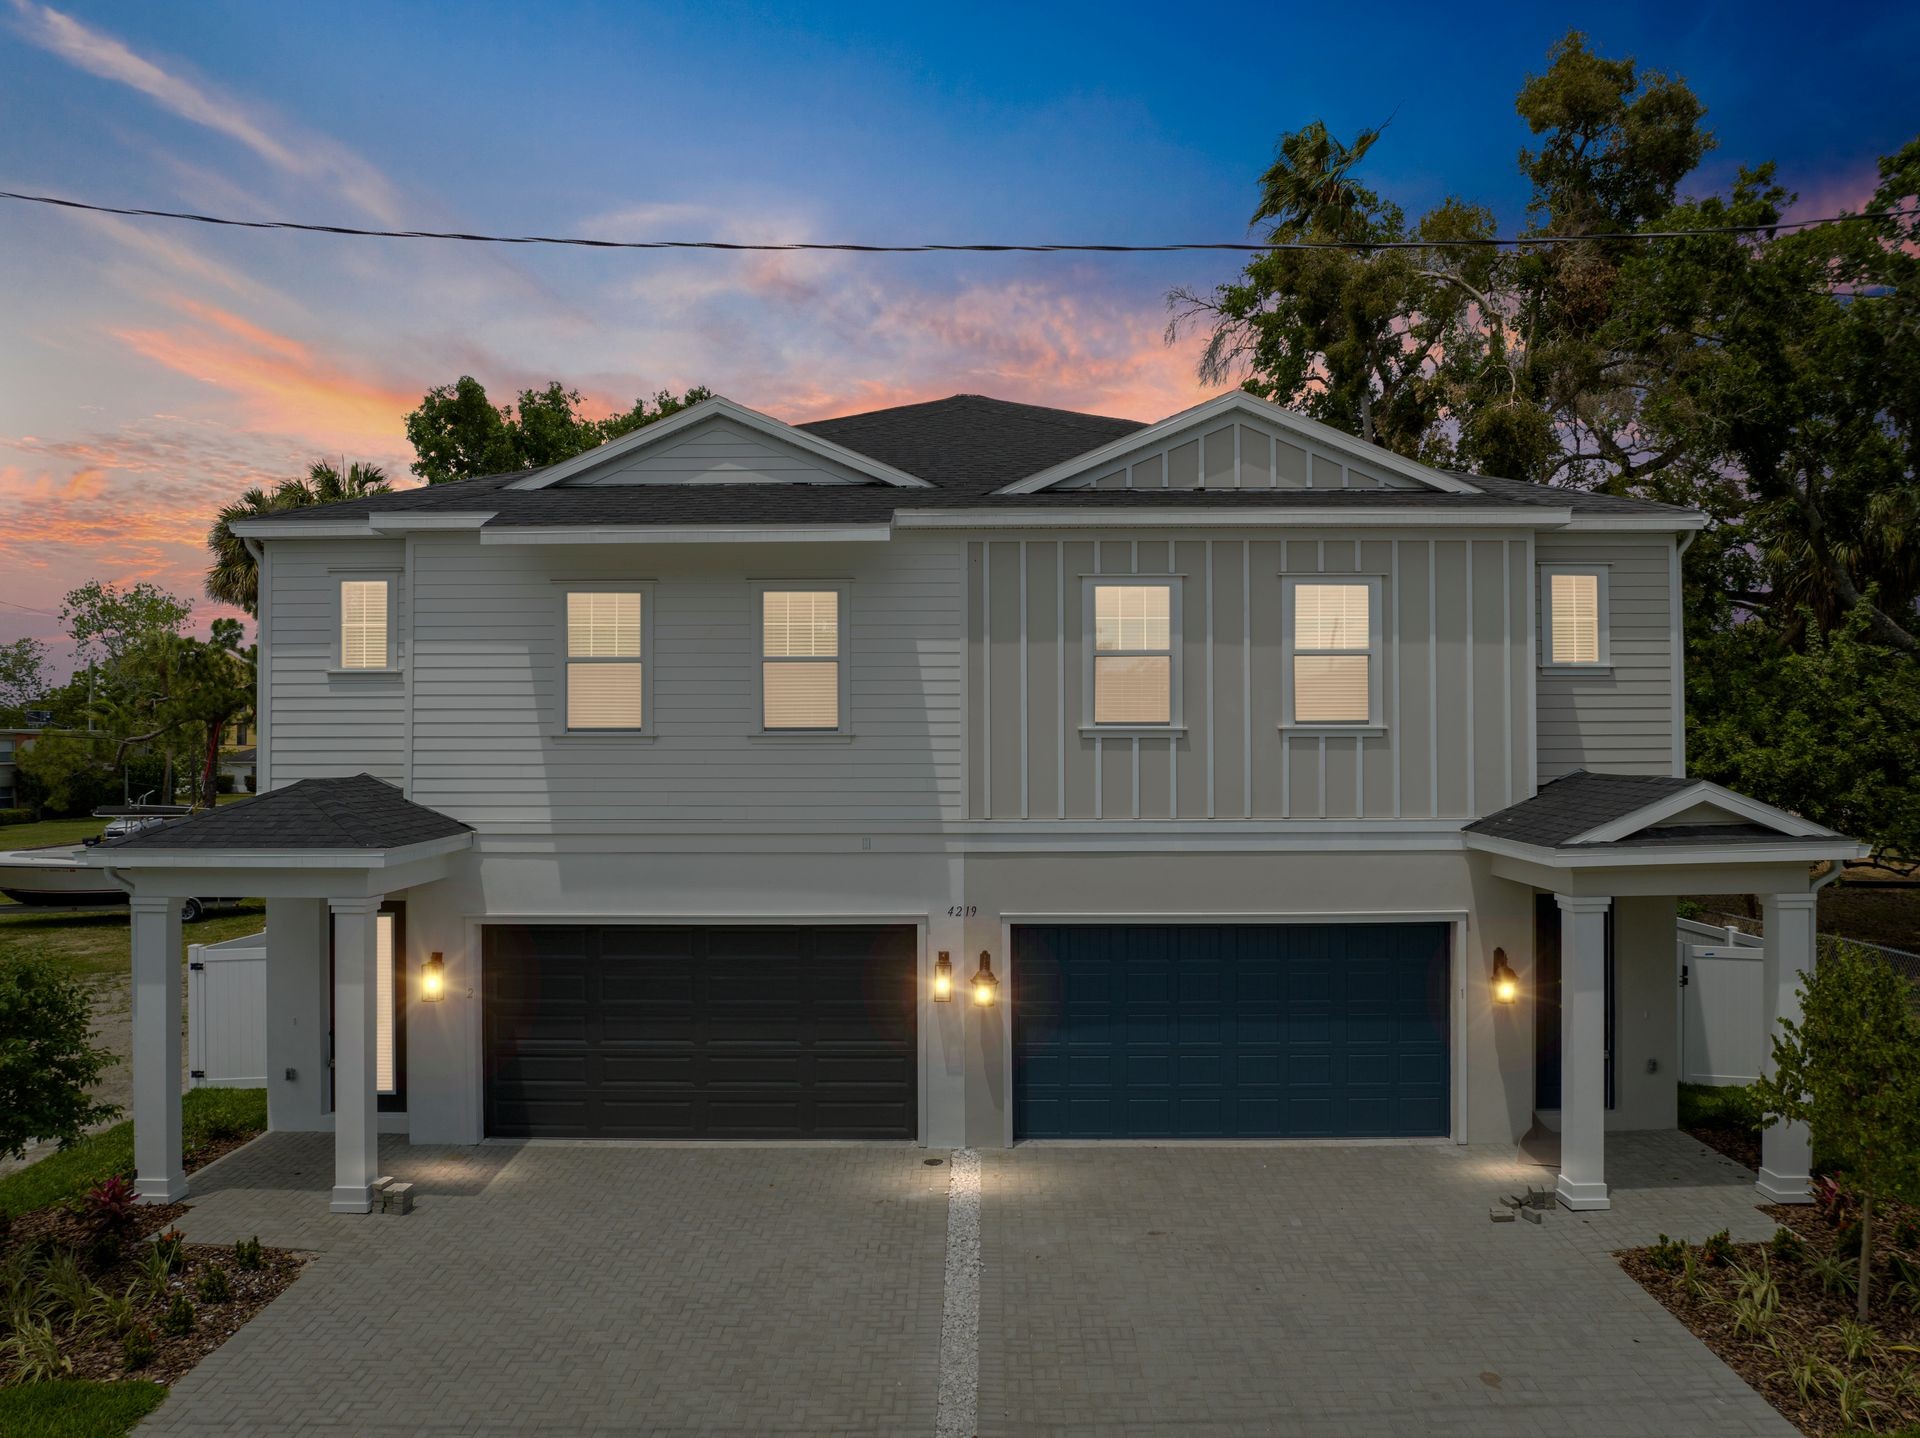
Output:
(1620, 721)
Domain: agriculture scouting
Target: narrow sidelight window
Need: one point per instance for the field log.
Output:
(800, 659)
(605, 674)
(363, 624)
(1333, 648)
(1573, 604)
(386, 1067)
(1132, 654)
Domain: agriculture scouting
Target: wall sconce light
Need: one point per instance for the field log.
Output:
(986, 988)
(433, 979)
(1506, 983)
(943, 978)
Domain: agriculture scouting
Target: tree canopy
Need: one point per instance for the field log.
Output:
(233, 577)
(1771, 380)
(458, 432)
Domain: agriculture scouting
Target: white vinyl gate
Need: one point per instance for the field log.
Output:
(1722, 1019)
(227, 1013)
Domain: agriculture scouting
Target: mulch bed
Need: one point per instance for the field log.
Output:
(1742, 1145)
(1808, 1323)
(96, 1353)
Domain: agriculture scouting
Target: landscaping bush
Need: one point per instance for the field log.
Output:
(110, 1205)
(247, 1256)
(213, 1285)
(178, 1321)
(48, 1063)
(136, 1349)
(15, 816)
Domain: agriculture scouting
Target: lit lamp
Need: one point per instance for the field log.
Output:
(433, 979)
(1506, 983)
(986, 988)
(943, 979)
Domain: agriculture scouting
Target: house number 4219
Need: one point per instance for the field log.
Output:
(963, 911)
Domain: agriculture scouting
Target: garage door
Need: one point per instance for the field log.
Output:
(1218, 1031)
(634, 1031)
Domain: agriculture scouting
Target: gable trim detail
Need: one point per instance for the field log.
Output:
(719, 406)
(1239, 402)
(1738, 805)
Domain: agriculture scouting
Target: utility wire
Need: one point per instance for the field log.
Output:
(1520, 241)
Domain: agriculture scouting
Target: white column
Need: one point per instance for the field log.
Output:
(297, 1009)
(1787, 954)
(1583, 1052)
(159, 1176)
(356, 1129)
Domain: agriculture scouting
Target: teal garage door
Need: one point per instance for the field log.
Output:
(1231, 1031)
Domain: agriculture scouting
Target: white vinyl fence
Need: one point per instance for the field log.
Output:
(1722, 1018)
(227, 1013)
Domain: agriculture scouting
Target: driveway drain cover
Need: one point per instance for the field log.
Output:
(933, 1162)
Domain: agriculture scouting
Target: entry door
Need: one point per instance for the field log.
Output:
(1231, 1031)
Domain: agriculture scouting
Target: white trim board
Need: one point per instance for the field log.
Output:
(1702, 791)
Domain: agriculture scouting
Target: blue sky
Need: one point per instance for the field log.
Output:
(150, 371)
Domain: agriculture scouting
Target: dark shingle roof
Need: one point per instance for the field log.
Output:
(357, 813)
(966, 447)
(1569, 806)
(1574, 803)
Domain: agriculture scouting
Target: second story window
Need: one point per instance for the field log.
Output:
(802, 659)
(1133, 653)
(1333, 651)
(364, 631)
(606, 673)
(1573, 617)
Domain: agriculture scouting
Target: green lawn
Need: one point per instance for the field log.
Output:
(49, 831)
(72, 1408)
(205, 1114)
(97, 942)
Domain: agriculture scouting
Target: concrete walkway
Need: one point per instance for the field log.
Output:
(709, 1290)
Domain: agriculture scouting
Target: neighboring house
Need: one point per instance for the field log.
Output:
(239, 765)
(1283, 786)
(13, 742)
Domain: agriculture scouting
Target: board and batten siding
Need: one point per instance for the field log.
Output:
(1620, 720)
(488, 687)
(719, 452)
(1240, 456)
(1456, 740)
(326, 723)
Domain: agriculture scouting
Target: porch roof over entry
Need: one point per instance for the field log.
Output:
(1585, 818)
(356, 821)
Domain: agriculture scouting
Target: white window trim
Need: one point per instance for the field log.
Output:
(339, 578)
(1176, 723)
(1375, 722)
(757, 589)
(642, 587)
(1602, 607)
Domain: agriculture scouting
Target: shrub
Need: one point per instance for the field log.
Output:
(172, 1247)
(150, 1281)
(137, 1348)
(34, 1351)
(1832, 1201)
(1787, 1246)
(1906, 1234)
(1668, 1254)
(15, 816)
(110, 1205)
(105, 1252)
(1836, 1274)
(247, 1255)
(49, 1064)
(213, 1285)
(1718, 1249)
(178, 1320)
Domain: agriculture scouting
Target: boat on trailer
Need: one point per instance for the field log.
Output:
(57, 876)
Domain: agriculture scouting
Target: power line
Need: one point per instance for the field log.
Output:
(29, 608)
(1491, 242)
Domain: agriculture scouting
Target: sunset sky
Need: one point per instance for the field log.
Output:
(151, 370)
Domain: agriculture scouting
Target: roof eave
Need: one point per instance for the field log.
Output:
(135, 856)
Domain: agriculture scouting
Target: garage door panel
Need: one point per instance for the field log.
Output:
(1202, 1031)
(641, 1032)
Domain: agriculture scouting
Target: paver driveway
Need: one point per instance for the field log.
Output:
(1232, 1290)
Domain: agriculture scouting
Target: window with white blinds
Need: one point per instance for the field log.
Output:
(1333, 650)
(605, 673)
(363, 624)
(386, 1069)
(800, 658)
(1132, 654)
(1574, 617)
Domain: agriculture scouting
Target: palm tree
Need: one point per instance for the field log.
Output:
(233, 577)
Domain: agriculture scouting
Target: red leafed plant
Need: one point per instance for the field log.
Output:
(1834, 1203)
(110, 1205)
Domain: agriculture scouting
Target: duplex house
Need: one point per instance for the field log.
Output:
(970, 773)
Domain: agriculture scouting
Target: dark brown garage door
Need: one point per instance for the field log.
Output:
(636, 1031)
